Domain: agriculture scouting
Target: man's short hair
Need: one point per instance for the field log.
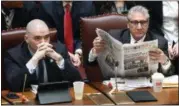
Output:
(139, 9)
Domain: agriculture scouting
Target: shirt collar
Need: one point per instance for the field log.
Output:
(133, 40)
(64, 4)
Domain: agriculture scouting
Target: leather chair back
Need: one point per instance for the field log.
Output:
(10, 39)
(88, 26)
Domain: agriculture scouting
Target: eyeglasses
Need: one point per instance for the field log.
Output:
(135, 23)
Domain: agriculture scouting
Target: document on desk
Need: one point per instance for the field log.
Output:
(121, 98)
(171, 81)
(126, 84)
(99, 99)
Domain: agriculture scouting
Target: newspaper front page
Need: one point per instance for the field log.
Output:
(133, 59)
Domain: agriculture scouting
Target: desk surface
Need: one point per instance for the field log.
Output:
(167, 96)
(86, 101)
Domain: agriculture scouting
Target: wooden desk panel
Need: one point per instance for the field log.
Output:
(167, 96)
(31, 96)
(3, 102)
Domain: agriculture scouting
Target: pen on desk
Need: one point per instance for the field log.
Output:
(10, 102)
(121, 82)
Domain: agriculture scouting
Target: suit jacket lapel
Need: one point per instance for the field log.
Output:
(26, 57)
(126, 37)
(58, 9)
(148, 37)
(25, 52)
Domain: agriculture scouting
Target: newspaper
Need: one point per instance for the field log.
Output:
(131, 60)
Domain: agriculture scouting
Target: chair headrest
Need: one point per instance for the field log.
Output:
(13, 37)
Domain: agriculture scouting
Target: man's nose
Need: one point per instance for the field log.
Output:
(42, 40)
(139, 26)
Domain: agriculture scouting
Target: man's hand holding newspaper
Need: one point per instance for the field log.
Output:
(98, 45)
(134, 59)
(158, 55)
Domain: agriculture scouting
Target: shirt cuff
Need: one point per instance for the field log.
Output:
(166, 66)
(78, 51)
(92, 56)
(31, 67)
(61, 64)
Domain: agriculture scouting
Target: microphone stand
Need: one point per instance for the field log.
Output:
(115, 69)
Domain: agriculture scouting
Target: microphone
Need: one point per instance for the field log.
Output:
(25, 78)
(22, 96)
(116, 64)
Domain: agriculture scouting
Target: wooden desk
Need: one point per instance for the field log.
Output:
(85, 101)
(167, 96)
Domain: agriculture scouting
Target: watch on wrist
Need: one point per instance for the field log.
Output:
(166, 62)
(78, 53)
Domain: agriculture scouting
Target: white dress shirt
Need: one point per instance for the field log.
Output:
(92, 56)
(170, 21)
(139, 41)
(65, 3)
(32, 67)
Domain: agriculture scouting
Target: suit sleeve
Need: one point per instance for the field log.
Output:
(70, 72)
(14, 73)
(171, 69)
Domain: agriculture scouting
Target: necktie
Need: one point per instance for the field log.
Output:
(41, 72)
(68, 33)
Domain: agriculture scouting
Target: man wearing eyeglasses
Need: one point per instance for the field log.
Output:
(137, 31)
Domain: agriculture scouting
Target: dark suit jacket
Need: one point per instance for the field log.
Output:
(21, 18)
(15, 67)
(52, 12)
(124, 37)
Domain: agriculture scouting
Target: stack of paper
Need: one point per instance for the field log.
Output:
(126, 84)
(171, 81)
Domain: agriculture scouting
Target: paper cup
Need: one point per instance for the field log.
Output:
(78, 89)
(157, 81)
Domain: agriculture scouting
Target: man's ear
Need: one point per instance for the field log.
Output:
(26, 38)
(128, 25)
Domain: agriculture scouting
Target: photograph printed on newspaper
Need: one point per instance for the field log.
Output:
(133, 59)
